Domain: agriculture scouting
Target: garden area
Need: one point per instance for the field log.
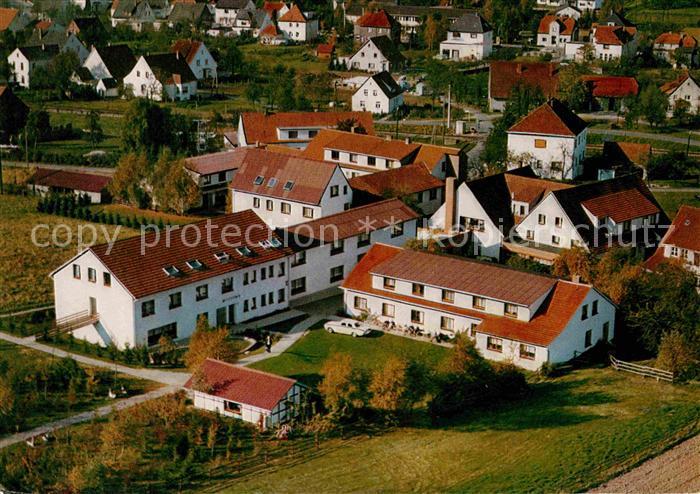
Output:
(36, 388)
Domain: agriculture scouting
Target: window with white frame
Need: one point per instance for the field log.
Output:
(494, 344)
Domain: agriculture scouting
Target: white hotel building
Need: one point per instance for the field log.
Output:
(512, 315)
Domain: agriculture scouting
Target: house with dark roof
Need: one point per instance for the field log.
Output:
(228, 269)
(469, 37)
(225, 11)
(198, 57)
(506, 75)
(285, 189)
(412, 183)
(593, 216)
(327, 249)
(260, 398)
(107, 66)
(379, 94)
(294, 129)
(298, 26)
(162, 76)
(195, 15)
(551, 139)
(137, 14)
(487, 209)
(373, 24)
(681, 243)
(13, 114)
(26, 59)
(524, 318)
(624, 157)
(64, 40)
(377, 54)
(684, 90)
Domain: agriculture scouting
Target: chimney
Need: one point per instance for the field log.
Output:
(352, 129)
(257, 144)
(407, 140)
(449, 203)
(519, 68)
(388, 138)
(177, 55)
(576, 278)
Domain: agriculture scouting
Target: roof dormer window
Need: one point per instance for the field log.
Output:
(195, 264)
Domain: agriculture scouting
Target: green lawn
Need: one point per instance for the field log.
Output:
(304, 359)
(299, 57)
(686, 16)
(571, 434)
(671, 201)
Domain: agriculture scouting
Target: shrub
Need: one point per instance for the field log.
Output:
(678, 355)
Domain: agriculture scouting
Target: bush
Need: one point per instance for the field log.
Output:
(678, 355)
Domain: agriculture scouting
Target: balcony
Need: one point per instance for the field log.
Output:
(74, 321)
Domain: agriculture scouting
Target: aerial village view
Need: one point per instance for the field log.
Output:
(306, 246)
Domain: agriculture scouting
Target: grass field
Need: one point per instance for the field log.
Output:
(40, 408)
(126, 211)
(301, 58)
(671, 201)
(304, 359)
(573, 433)
(685, 16)
(25, 265)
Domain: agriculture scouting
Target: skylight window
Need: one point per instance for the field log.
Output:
(244, 251)
(288, 185)
(195, 264)
(221, 256)
(259, 180)
(272, 182)
(172, 271)
(274, 242)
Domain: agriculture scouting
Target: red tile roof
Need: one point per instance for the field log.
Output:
(259, 127)
(566, 24)
(670, 87)
(85, 182)
(273, 7)
(551, 118)
(685, 229)
(269, 30)
(634, 152)
(325, 49)
(186, 48)
(431, 154)
(350, 223)
(243, 385)
(294, 14)
(405, 180)
(612, 35)
(310, 177)
(559, 307)
(43, 25)
(213, 163)
(611, 86)
(6, 17)
(669, 38)
(139, 267)
(621, 206)
(379, 19)
(360, 144)
(505, 75)
(530, 190)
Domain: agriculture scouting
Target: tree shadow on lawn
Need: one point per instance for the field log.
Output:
(550, 404)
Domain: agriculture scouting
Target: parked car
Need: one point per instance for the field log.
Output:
(348, 326)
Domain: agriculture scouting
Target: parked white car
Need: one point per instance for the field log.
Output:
(347, 326)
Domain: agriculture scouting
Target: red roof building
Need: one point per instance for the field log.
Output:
(61, 181)
(552, 118)
(611, 86)
(505, 75)
(372, 24)
(681, 242)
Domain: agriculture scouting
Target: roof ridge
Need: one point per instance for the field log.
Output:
(249, 369)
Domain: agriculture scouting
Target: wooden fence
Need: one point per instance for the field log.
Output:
(641, 370)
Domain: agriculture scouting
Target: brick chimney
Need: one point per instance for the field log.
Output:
(407, 140)
(519, 68)
(449, 203)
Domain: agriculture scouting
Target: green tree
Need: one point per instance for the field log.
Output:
(253, 92)
(129, 180)
(232, 60)
(38, 127)
(681, 110)
(389, 387)
(174, 189)
(148, 128)
(341, 386)
(96, 134)
(207, 342)
(654, 105)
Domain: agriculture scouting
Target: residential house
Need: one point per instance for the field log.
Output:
(161, 76)
(488, 209)
(551, 139)
(325, 51)
(684, 88)
(13, 114)
(524, 318)
(505, 75)
(379, 94)
(373, 24)
(64, 40)
(271, 35)
(87, 29)
(681, 242)
(549, 4)
(139, 14)
(108, 66)
(327, 249)
(412, 183)
(555, 31)
(294, 129)
(608, 93)
(443, 161)
(136, 290)
(286, 190)
(377, 54)
(360, 154)
(213, 173)
(93, 186)
(624, 157)
(198, 57)
(679, 49)
(568, 11)
(226, 11)
(469, 37)
(275, 9)
(298, 26)
(13, 20)
(191, 15)
(613, 43)
(589, 5)
(260, 398)
(25, 60)
(593, 216)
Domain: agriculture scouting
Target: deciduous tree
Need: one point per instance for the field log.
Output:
(207, 342)
(340, 388)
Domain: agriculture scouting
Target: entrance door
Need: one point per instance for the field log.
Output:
(232, 314)
(221, 316)
(93, 306)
